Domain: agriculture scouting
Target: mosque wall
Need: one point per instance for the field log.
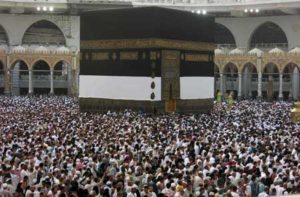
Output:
(16, 25)
(34, 38)
(243, 28)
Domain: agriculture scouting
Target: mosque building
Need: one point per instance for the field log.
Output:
(256, 44)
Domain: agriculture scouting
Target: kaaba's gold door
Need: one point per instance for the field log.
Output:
(170, 73)
(170, 105)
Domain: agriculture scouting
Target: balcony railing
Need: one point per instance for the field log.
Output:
(262, 46)
(269, 46)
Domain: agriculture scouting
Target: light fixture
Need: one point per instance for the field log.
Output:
(198, 12)
(38, 8)
(246, 10)
(256, 10)
(251, 10)
(44, 8)
(51, 9)
(193, 11)
(204, 12)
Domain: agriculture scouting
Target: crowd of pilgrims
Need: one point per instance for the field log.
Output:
(48, 148)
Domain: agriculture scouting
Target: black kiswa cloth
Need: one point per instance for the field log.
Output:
(146, 22)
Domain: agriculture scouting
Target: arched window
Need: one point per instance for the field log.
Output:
(268, 35)
(61, 76)
(3, 36)
(223, 36)
(230, 72)
(44, 32)
(290, 81)
(270, 81)
(41, 77)
(249, 81)
(19, 78)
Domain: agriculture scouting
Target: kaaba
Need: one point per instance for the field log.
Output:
(148, 59)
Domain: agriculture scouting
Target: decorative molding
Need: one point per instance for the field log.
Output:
(129, 55)
(170, 72)
(100, 56)
(196, 57)
(146, 43)
(153, 55)
(182, 56)
(171, 55)
(157, 54)
(280, 60)
(31, 59)
(114, 56)
(86, 56)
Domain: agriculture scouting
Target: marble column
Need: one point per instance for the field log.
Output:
(291, 93)
(7, 79)
(259, 80)
(222, 83)
(74, 78)
(69, 78)
(30, 88)
(259, 84)
(239, 85)
(280, 96)
(51, 82)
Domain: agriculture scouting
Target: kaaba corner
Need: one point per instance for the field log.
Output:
(148, 59)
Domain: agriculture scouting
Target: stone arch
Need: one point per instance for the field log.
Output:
(40, 60)
(61, 77)
(265, 71)
(223, 35)
(41, 76)
(269, 63)
(267, 33)
(64, 60)
(4, 39)
(59, 64)
(289, 64)
(217, 68)
(11, 66)
(44, 32)
(42, 66)
(247, 64)
(19, 77)
(290, 80)
(230, 65)
(230, 75)
(270, 81)
(249, 80)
